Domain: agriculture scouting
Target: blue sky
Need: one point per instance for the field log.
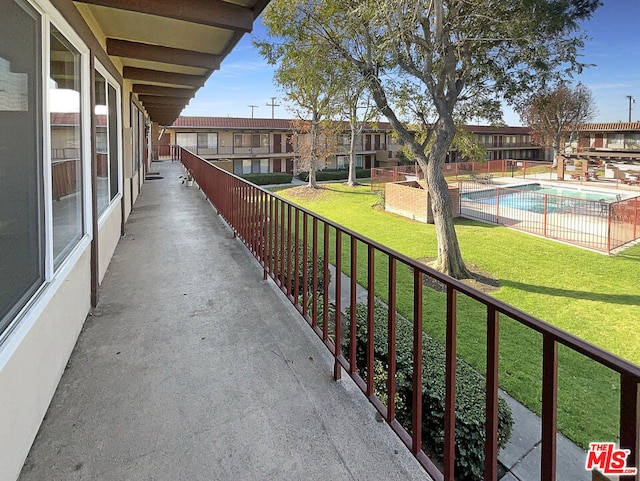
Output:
(245, 78)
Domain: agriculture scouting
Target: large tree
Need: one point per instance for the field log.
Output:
(456, 56)
(307, 80)
(354, 105)
(554, 114)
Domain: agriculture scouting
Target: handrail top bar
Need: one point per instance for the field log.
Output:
(595, 353)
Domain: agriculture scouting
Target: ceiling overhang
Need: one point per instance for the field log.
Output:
(169, 48)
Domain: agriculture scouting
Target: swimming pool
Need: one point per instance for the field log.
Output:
(540, 198)
(584, 194)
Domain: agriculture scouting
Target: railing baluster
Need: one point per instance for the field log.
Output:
(337, 370)
(391, 342)
(352, 307)
(630, 421)
(450, 385)
(296, 274)
(371, 297)
(549, 407)
(325, 285)
(281, 244)
(314, 261)
(416, 402)
(305, 264)
(289, 247)
(491, 416)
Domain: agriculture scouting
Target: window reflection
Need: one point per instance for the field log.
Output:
(66, 166)
(101, 142)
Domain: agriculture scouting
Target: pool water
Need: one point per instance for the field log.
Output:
(531, 198)
(572, 193)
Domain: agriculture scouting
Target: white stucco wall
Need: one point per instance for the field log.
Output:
(108, 237)
(33, 359)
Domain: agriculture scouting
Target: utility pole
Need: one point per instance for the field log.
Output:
(272, 105)
(631, 100)
(252, 107)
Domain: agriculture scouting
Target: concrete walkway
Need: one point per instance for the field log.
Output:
(194, 368)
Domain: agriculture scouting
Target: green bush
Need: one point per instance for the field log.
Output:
(335, 174)
(470, 392)
(265, 179)
(281, 256)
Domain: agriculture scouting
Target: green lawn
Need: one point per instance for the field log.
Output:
(588, 294)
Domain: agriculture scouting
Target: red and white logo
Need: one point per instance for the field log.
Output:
(609, 460)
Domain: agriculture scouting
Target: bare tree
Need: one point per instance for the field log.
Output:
(555, 113)
(314, 142)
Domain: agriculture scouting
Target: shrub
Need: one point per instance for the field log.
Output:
(290, 283)
(470, 392)
(265, 179)
(333, 174)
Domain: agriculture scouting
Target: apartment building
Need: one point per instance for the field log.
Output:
(245, 146)
(82, 84)
(504, 142)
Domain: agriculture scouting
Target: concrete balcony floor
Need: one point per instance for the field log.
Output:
(194, 368)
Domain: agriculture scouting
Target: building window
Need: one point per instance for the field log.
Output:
(250, 140)
(188, 141)
(21, 132)
(138, 137)
(106, 141)
(342, 162)
(66, 145)
(208, 140)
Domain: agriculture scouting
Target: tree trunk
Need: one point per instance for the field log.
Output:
(449, 259)
(351, 180)
(313, 160)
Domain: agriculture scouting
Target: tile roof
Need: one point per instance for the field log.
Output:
(244, 123)
(490, 129)
(62, 119)
(232, 123)
(611, 126)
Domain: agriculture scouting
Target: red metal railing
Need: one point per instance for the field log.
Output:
(269, 226)
(165, 152)
(597, 224)
(504, 167)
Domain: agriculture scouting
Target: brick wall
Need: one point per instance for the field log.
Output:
(410, 199)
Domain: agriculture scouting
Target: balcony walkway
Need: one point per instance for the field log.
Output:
(194, 368)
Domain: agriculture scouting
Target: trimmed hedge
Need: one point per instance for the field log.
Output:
(470, 392)
(266, 179)
(333, 174)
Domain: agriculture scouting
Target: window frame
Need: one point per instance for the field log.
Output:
(23, 319)
(113, 202)
(52, 17)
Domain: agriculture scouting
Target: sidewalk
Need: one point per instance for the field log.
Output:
(194, 368)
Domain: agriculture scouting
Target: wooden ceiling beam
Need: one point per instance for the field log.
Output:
(214, 13)
(154, 99)
(147, 75)
(157, 90)
(158, 53)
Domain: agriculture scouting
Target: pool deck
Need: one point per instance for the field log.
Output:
(606, 185)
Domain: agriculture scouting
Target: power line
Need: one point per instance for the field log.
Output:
(272, 105)
(631, 100)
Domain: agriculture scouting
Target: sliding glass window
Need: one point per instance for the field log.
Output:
(106, 141)
(21, 187)
(66, 149)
